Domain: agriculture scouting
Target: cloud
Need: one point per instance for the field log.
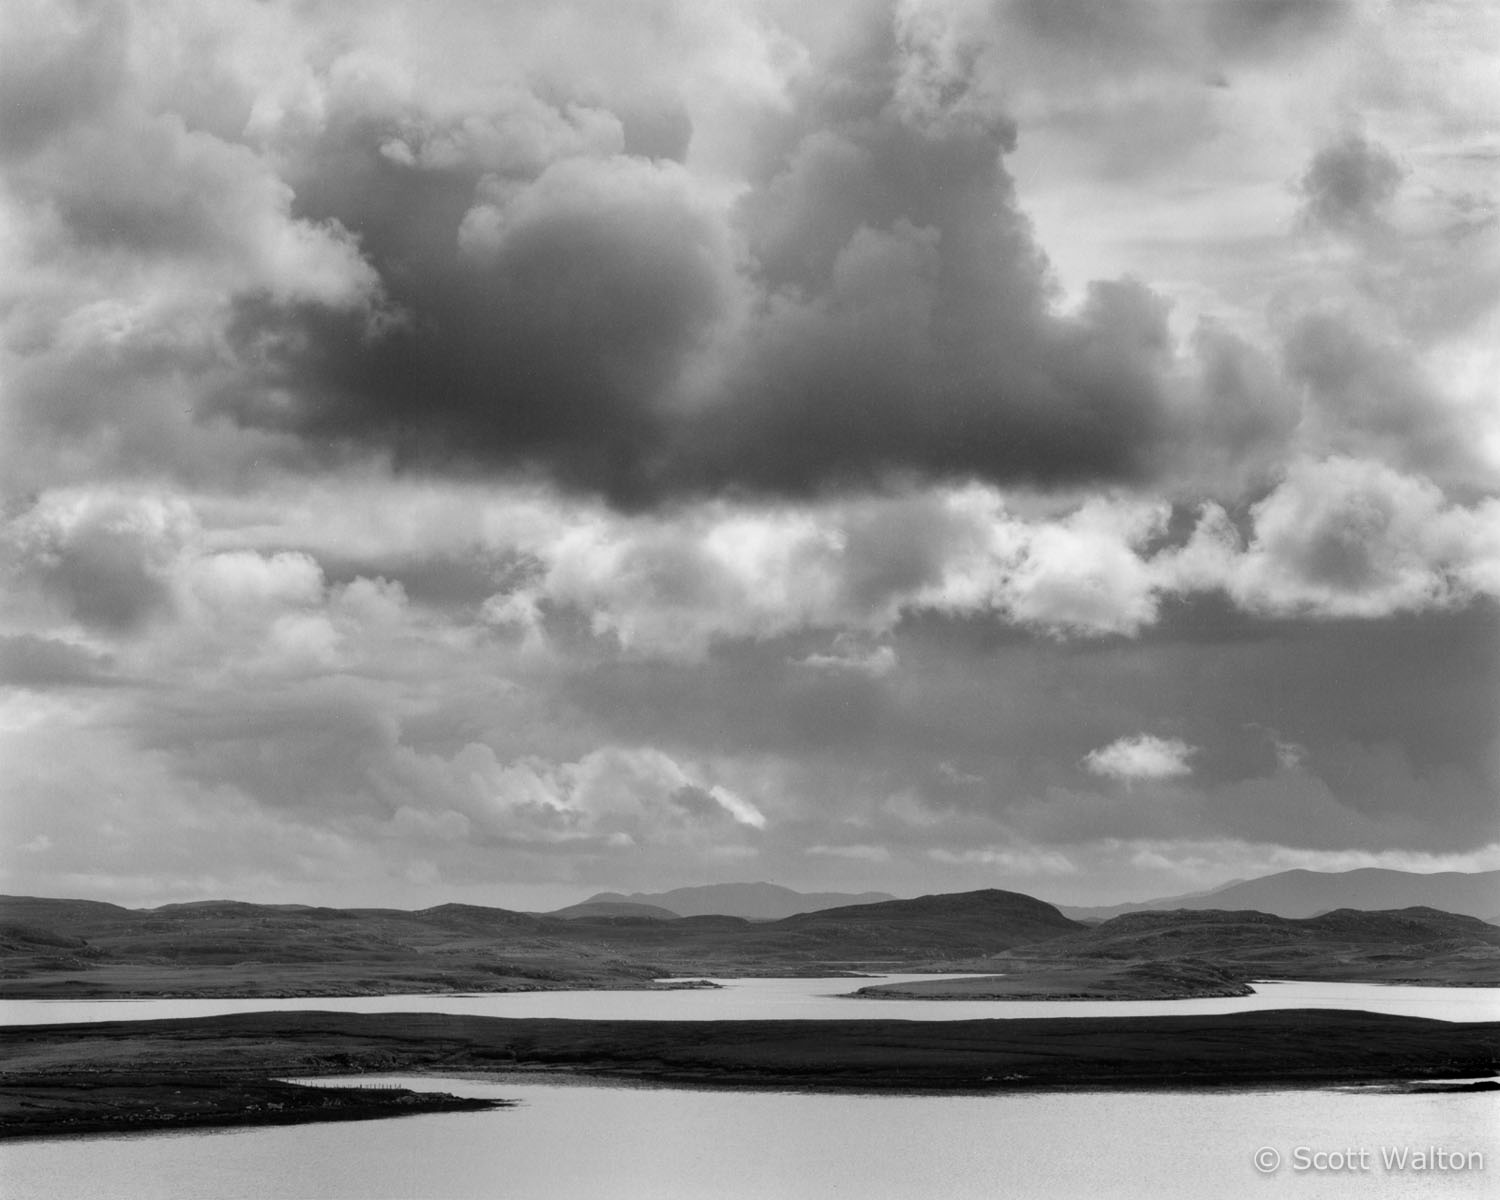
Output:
(1348, 538)
(814, 276)
(104, 557)
(857, 851)
(875, 661)
(1143, 756)
(1350, 183)
(37, 662)
(1372, 396)
(1010, 860)
(134, 217)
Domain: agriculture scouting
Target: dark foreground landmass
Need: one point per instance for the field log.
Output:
(115, 1075)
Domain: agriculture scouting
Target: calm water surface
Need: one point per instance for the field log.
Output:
(586, 1142)
(788, 999)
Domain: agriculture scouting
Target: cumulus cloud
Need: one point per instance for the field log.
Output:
(818, 278)
(1348, 538)
(1143, 756)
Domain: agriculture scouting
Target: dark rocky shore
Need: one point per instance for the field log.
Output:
(126, 1075)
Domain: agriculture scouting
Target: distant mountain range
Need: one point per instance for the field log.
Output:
(753, 901)
(1311, 893)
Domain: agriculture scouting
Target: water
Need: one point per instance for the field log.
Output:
(788, 999)
(589, 1142)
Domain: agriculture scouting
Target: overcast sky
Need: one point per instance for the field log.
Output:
(503, 451)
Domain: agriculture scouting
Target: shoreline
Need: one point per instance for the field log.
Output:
(123, 1075)
(129, 1103)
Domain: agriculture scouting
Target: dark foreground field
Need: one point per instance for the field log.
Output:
(112, 1075)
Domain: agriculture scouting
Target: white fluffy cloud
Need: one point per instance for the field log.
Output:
(1347, 538)
(1143, 756)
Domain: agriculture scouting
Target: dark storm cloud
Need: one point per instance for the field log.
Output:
(557, 346)
(875, 307)
(1350, 183)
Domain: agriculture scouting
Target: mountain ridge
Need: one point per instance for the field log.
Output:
(1301, 893)
(754, 901)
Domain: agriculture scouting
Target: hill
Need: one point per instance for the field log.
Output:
(1417, 945)
(753, 901)
(1308, 893)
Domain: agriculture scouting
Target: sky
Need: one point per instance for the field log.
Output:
(499, 452)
